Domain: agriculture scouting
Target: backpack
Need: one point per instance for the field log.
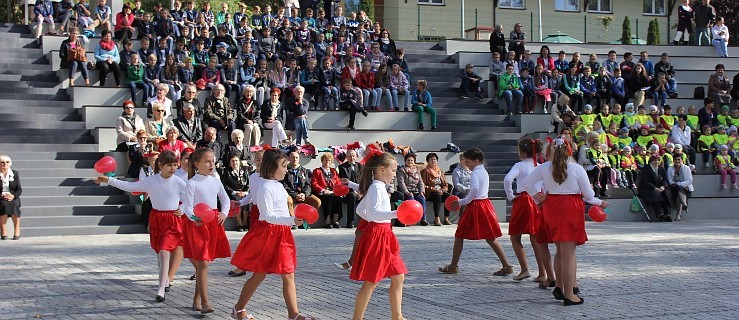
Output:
(699, 93)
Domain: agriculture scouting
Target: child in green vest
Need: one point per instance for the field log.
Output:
(706, 145)
(667, 156)
(724, 118)
(720, 137)
(642, 159)
(628, 167)
(660, 136)
(645, 139)
(725, 166)
(693, 119)
(642, 118)
(624, 140)
(588, 117)
(616, 116)
(734, 118)
(605, 116)
(614, 159)
(611, 139)
(667, 119)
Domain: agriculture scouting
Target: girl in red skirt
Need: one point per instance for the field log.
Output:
(378, 251)
(269, 248)
(566, 184)
(357, 233)
(165, 224)
(255, 183)
(204, 242)
(478, 220)
(525, 214)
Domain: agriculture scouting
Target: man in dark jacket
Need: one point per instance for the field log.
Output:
(654, 189)
(297, 182)
(350, 170)
(217, 111)
(707, 116)
(705, 13)
(666, 67)
(190, 126)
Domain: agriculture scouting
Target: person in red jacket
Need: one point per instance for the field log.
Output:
(351, 71)
(322, 184)
(366, 82)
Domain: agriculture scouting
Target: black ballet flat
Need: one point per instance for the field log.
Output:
(166, 289)
(575, 290)
(234, 274)
(160, 298)
(16, 237)
(557, 293)
(192, 277)
(569, 302)
(3, 237)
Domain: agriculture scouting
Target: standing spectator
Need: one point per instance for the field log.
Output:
(497, 41)
(422, 102)
(653, 189)
(348, 100)
(124, 24)
(72, 54)
(106, 55)
(684, 23)
(218, 112)
(666, 67)
(436, 188)
(704, 15)
(720, 34)
(350, 170)
(410, 183)
(517, 40)
(719, 86)
(247, 116)
(322, 183)
(327, 78)
(681, 185)
(10, 202)
(44, 11)
(127, 125)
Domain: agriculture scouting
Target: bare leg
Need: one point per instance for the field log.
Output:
(247, 291)
(499, 252)
(174, 263)
(521, 256)
(537, 255)
(201, 283)
(3, 222)
(569, 269)
(357, 235)
(558, 266)
(363, 297)
(290, 295)
(239, 221)
(457, 251)
(16, 224)
(196, 296)
(396, 296)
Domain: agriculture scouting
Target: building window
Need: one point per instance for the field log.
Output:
(600, 6)
(567, 5)
(512, 4)
(654, 7)
(432, 2)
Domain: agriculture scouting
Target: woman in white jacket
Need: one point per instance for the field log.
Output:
(681, 185)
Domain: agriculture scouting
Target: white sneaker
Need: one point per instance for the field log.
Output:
(708, 165)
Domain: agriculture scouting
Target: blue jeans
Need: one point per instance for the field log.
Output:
(142, 85)
(377, 101)
(394, 94)
(671, 86)
(515, 96)
(331, 93)
(721, 47)
(73, 65)
(660, 98)
(301, 130)
(420, 198)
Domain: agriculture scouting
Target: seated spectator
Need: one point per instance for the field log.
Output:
(681, 135)
(720, 38)
(387, 45)
(211, 76)
(189, 126)
(399, 85)
(410, 183)
(666, 67)
(497, 68)
(350, 170)
(247, 112)
(382, 87)
(210, 141)
(127, 125)
(366, 83)
(10, 202)
(708, 115)
(236, 147)
(44, 11)
(509, 88)
(218, 112)
(659, 89)
(543, 91)
(136, 152)
(571, 87)
(436, 189)
(638, 84)
(527, 88)
(461, 180)
(161, 98)
(103, 14)
(471, 82)
(349, 101)
(106, 55)
(235, 180)
(422, 102)
(310, 80)
(719, 86)
(558, 110)
(157, 127)
(681, 185)
(297, 110)
(653, 189)
(272, 115)
(170, 76)
(72, 54)
(124, 24)
(322, 184)
(190, 96)
(135, 79)
(229, 77)
(724, 164)
(172, 143)
(297, 182)
(517, 40)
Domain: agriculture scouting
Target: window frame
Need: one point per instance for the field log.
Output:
(512, 7)
(578, 9)
(598, 4)
(430, 3)
(652, 14)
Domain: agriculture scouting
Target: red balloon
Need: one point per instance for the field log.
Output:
(597, 214)
(204, 212)
(449, 203)
(306, 212)
(234, 209)
(105, 164)
(341, 190)
(410, 212)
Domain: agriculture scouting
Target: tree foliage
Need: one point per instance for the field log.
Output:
(653, 32)
(626, 31)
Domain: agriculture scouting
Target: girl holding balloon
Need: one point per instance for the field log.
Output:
(378, 251)
(204, 236)
(270, 248)
(165, 224)
(525, 214)
(255, 183)
(566, 184)
(479, 220)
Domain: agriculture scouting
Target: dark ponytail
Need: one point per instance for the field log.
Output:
(368, 172)
(196, 157)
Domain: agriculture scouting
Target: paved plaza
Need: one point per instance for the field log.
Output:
(685, 270)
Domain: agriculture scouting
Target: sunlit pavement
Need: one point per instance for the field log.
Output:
(679, 270)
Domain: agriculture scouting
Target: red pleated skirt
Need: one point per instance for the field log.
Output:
(205, 243)
(478, 221)
(378, 254)
(270, 248)
(525, 215)
(564, 217)
(362, 225)
(165, 230)
(254, 217)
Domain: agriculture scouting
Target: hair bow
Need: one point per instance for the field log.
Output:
(371, 152)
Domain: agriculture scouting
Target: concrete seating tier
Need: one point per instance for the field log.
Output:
(50, 43)
(698, 209)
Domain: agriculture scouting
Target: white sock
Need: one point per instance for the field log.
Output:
(163, 257)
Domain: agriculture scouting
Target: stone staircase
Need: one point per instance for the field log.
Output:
(51, 149)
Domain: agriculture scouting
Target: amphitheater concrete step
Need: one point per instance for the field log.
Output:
(56, 139)
(44, 146)
(20, 118)
(15, 78)
(69, 191)
(70, 221)
(77, 200)
(40, 125)
(59, 180)
(82, 230)
(60, 172)
(79, 210)
(49, 164)
(52, 155)
(9, 85)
